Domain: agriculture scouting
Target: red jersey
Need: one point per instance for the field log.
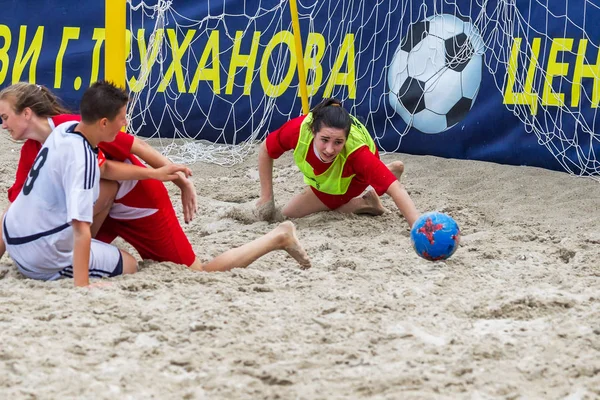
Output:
(366, 167)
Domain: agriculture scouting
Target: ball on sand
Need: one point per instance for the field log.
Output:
(435, 236)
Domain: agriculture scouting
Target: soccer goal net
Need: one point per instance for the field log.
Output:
(209, 79)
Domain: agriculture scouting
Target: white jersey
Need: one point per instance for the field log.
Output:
(62, 186)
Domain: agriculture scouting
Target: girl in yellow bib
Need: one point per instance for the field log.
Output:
(338, 159)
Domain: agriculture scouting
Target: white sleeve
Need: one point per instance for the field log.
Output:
(79, 176)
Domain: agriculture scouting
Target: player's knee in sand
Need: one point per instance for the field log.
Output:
(397, 168)
(292, 210)
(129, 263)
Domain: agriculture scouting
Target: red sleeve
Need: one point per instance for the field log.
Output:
(370, 169)
(120, 148)
(29, 152)
(284, 138)
(62, 118)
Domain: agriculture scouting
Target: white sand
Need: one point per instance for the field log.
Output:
(513, 314)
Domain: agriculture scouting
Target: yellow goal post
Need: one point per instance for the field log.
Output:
(115, 67)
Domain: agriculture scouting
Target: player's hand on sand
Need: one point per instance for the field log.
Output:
(170, 172)
(265, 209)
(189, 199)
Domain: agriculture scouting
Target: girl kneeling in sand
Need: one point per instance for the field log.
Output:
(339, 161)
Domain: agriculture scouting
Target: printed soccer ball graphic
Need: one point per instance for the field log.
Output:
(436, 71)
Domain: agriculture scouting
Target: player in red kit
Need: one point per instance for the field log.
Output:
(339, 161)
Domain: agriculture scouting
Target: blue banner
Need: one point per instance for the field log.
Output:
(514, 84)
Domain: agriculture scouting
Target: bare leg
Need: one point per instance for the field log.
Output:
(307, 203)
(303, 204)
(283, 237)
(369, 203)
(196, 265)
(108, 191)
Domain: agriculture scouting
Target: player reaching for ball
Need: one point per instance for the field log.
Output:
(338, 159)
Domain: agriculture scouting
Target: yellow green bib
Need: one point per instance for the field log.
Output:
(330, 181)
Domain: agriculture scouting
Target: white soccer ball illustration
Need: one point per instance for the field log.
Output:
(435, 73)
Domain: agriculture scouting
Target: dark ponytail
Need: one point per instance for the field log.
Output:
(330, 113)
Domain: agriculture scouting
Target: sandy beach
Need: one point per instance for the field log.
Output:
(514, 314)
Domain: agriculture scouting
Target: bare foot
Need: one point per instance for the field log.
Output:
(290, 243)
(397, 168)
(372, 204)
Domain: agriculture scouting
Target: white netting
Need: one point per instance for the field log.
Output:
(235, 105)
(221, 113)
(543, 81)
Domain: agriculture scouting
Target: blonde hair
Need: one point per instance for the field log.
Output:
(38, 98)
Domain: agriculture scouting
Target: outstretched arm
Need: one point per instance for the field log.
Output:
(156, 160)
(403, 201)
(120, 171)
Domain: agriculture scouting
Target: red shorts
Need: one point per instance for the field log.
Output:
(157, 236)
(333, 201)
